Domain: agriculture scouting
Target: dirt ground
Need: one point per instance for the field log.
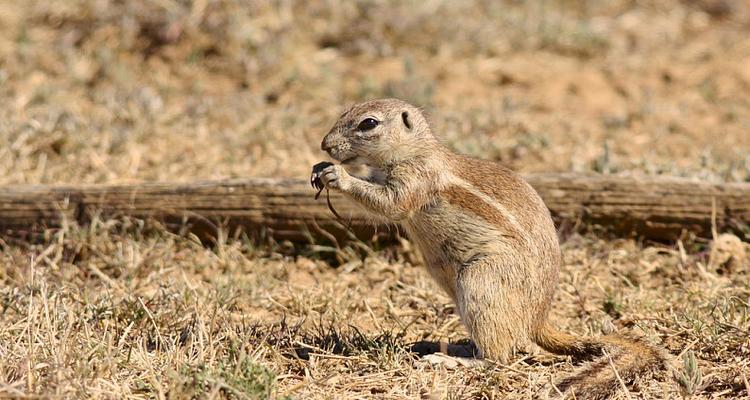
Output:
(111, 91)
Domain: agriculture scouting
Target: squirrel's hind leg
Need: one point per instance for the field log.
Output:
(491, 310)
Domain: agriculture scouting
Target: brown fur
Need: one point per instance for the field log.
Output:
(486, 236)
(473, 205)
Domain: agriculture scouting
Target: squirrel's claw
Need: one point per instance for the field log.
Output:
(317, 171)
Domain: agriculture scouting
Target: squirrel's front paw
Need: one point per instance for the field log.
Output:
(328, 175)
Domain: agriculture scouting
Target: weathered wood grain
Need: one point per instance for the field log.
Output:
(656, 208)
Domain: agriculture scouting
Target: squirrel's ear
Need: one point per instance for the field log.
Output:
(405, 118)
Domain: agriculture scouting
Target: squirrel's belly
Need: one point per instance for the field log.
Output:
(447, 238)
(440, 257)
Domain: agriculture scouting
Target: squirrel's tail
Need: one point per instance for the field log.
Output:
(614, 359)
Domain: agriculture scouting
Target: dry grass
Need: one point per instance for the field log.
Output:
(123, 310)
(118, 91)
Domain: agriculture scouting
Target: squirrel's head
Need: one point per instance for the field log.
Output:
(378, 133)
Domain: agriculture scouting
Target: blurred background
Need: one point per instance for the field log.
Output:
(115, 91)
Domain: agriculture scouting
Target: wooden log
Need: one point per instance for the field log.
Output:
(655, 208)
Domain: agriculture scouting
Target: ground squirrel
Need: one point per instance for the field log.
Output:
(486, 236)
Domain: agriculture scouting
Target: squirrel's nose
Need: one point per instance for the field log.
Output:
(325, 146)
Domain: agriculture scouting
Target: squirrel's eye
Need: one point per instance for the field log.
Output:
(367, 124)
